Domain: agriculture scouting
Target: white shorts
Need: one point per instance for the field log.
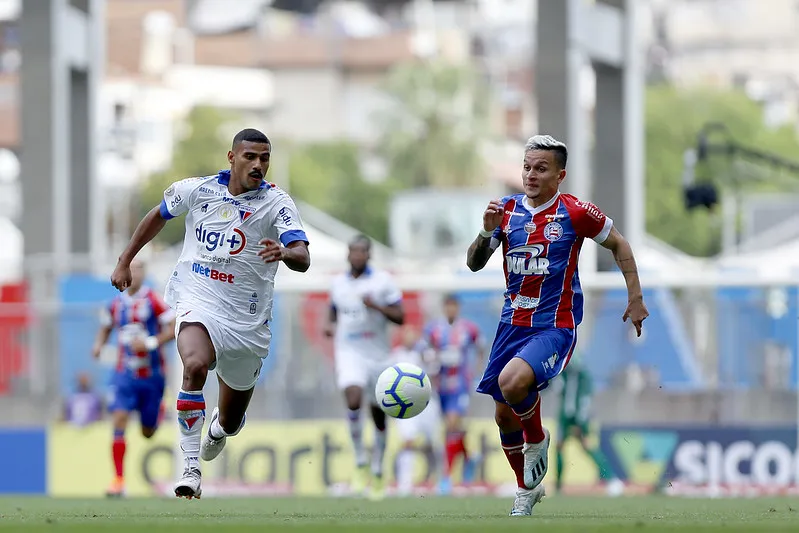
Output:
(426, 424)
(356, 369)
(239, 354)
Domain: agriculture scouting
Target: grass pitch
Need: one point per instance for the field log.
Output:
(554, 515)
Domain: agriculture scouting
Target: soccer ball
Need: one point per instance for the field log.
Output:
(403, 390)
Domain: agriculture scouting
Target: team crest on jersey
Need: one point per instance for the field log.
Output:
(553, 231)
(226, 212)
(245, 212)
(530, 227)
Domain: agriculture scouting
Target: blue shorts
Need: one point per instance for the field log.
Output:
(142, 395)
(457, 402)
(546, 350)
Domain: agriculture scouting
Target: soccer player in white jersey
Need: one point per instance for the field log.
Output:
(424, 427)
(363, 302)
(238, 229)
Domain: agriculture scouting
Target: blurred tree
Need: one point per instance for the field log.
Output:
(201, 151)
(673, 119)
(328, 176)
(431, 135)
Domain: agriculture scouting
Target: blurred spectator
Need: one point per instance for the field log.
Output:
(84, 406)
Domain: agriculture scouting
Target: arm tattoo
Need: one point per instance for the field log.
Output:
(479, 253)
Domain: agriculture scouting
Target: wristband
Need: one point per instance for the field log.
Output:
(486, 234)
(151, 343)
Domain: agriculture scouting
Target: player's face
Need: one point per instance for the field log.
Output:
(358, 257)
(137, 276)
(249, 162)
(451, 310)
(541, 175)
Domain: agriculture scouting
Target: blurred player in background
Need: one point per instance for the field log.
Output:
(574, 420)
(424, 427)
(239, 228)
(458, 348)
(541, 232)
(362, 303)
(144, 324)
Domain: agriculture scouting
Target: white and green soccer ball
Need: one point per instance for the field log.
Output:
(403, 390)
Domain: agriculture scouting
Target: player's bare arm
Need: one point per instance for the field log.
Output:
(295, 255)
(395, 313)
(480, 250)
(150, 226)
(623, 254)
(166, 334)
(332, 318)
(102, 338)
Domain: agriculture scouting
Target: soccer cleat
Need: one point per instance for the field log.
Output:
(377, 489)
(117, 488)
(536, 461)
(470, 469)
(210, 446)
(359, 479)
(526, 500)
(615, 487)
(190, 485)
(445, 486)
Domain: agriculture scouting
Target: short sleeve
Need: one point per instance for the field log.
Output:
(390, 293)
(496, 238)
(288, 223)
(107, 315)
(589, 222)
(176, 200)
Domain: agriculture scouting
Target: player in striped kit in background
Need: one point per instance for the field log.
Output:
(541, 232)
(458, 348)
(144, 323)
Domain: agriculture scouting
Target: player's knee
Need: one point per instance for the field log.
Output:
(147, 433)
(515, 382)
(194, 368)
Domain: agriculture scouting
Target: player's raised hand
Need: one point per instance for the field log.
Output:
(121, 277)
(493, 215)
(271, 252)
(636, 311)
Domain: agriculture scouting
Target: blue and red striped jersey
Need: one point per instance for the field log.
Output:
(456, 346)
(138, 316)
(541, 246)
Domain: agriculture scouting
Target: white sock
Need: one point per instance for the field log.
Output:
(217, 431)
(405, 464)
(379, 452)
(191, 417)
(356, 434)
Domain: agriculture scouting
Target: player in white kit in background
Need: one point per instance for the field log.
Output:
(238, 228)
(424, 427)
(362, 303)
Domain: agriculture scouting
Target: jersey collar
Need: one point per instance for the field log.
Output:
(224, 179)
(540, 208)
(366, 273)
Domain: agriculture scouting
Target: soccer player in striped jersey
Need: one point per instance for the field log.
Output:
(541, 232)
(144, 324)
(458, 346)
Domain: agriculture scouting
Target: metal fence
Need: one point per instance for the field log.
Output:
(713, 353)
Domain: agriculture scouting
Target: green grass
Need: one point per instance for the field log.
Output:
(489, 515)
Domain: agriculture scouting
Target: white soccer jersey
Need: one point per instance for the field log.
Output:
(359, 328)
(219, 270)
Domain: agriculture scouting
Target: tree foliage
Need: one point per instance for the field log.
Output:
(433, 128)
(673, 119)
(201, 151)
(328, 176)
